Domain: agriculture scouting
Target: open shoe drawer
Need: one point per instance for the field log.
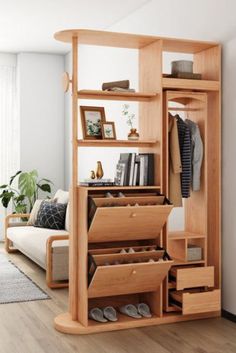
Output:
(191, 277)
(128, 278)
(121, 221)
(197, 302)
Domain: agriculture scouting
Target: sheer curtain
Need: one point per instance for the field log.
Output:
(9, 129)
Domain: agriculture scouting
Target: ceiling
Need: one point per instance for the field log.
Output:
(29, 25)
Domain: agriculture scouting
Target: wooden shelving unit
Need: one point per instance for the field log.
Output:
(120, 96)
(196, 85)
(116, 143)
(167, 286)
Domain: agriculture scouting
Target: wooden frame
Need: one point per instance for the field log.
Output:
(204, 229)
(83, 110)
(113, 130)
(49, 257)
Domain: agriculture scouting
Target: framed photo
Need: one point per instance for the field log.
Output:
(108, 130)
(92, 119)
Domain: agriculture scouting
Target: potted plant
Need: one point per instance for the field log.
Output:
(130, 117)
(24, 197)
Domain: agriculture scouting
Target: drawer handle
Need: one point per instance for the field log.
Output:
(133, 215)
(134, 272)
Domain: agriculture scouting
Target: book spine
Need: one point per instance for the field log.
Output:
(132, 163)
(135, 174)
(145, 170)
(151, 169)
(141, 174)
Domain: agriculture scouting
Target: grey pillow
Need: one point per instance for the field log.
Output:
(51, 215)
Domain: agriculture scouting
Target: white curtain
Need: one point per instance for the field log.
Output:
(9, 129)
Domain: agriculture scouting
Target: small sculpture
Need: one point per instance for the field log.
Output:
(92, 174)
(99, 171)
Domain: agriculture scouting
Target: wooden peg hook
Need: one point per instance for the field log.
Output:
(66, 81)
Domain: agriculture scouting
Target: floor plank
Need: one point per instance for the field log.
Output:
(28, 328)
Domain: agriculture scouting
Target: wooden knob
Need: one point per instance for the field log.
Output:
(134, 272)
(65, 81)
(133, 215)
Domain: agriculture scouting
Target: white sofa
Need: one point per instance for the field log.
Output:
(46, 247)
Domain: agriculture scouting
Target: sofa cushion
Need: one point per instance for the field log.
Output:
(32, 241)
(51, 215)
(62, 196)
(35, 210)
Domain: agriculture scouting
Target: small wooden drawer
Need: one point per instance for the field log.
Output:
(115, 223)
(193, 277)
(198, 302)
(128, 278)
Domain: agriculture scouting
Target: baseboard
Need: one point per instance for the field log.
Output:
(229, 316)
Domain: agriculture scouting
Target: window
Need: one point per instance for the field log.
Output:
(9, 126)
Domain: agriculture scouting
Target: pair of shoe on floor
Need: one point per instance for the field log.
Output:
(109, 313)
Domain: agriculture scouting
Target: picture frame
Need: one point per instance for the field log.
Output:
(108, 130)
(91, 121)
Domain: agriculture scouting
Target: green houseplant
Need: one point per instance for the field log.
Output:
(24, 197)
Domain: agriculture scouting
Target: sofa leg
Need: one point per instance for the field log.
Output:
(8, 246)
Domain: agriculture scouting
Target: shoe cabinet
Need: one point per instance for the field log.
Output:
(179, 288)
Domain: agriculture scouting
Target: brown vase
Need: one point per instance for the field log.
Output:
(99, 171)
(133, 135)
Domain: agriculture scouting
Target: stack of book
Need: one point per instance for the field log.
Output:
(97, 182)
(135, 169)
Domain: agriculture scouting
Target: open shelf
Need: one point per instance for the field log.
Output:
(182, 262)
(115, 187)
(119, 96)
(183, 84)
(116, 143)
(184, 235)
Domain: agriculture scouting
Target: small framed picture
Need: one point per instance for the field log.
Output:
(92, 119)
(108, 130)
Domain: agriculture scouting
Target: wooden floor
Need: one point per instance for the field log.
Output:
(28, 327)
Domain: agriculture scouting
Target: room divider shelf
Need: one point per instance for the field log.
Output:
(116, 143)
(183, 84)
(118, 96)
(142, 225)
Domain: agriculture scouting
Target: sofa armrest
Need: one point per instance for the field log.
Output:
(8, 243)
(49, 255)
(15, 215)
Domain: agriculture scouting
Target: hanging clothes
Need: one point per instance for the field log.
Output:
(197, 154)
(185, 152)
(175, 166)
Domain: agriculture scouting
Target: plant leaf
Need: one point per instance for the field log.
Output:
(27, 183)
(47, 180)
(3, 186)
(45, 187)
(13, 177)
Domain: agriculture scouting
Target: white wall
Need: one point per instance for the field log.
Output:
(98, 65)
(41, 104)
(7, 60)
(228, 176)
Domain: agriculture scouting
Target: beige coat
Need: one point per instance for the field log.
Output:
(175, 167)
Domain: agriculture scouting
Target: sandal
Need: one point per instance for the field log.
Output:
(97, 315)
(130, 310)
(144, 310)
(110, 313)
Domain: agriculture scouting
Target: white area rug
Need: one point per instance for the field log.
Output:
(15, 286)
